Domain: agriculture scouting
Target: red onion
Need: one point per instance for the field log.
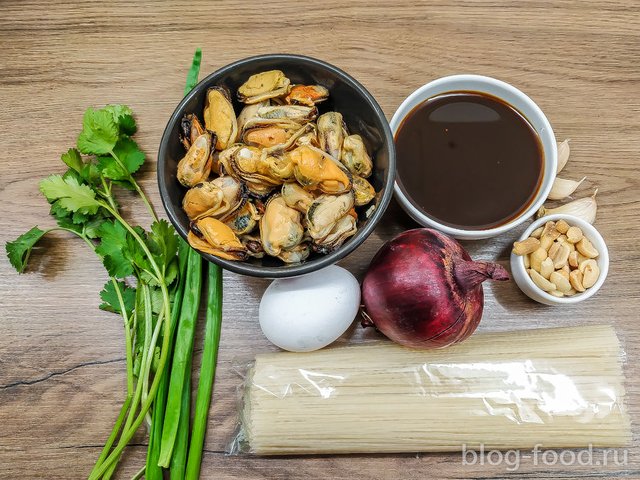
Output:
(422, 289)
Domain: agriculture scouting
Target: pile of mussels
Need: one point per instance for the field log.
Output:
(279, 167)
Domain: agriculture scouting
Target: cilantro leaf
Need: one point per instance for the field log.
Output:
(92, 226)
(113, 249)
(69, 194)
(123, 116)
(110, 298)
(73, 160)
(162, 242)
(129, 155)
(19, 250)
(99, 132)
(90, 173)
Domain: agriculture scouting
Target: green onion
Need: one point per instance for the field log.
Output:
(153, 470)
(207, 370)
(182, 352)
(179, 457)
(192, 76)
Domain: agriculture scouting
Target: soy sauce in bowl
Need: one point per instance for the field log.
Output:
(468, 160)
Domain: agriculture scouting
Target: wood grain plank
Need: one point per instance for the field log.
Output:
(61, 368)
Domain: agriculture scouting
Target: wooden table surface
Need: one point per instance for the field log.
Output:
(62, 371)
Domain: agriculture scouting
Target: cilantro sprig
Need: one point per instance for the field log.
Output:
(142, 265)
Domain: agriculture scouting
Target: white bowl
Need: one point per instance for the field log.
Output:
(515, 98)
(522, 278)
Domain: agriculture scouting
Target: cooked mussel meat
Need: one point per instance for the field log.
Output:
(297, 176)
(297, 254)
(342, 229)
(297, 197)
(253, 245)
(249, 112)
(250, 166)
(262, 86)
(243, 220)
(363, 191)
(297, 113)
(314, 169)
(195, 166)
(280, 227)
(331, 133)
(354, 156)
(307, 95)
(324, 212)
(220, 118)
(191, 129)
(210, 235)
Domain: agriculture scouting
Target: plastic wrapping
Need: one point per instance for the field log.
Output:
(557, 388)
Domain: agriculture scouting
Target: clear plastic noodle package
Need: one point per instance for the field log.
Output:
(560, 387)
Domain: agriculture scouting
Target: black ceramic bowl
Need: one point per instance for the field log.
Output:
(361, 113)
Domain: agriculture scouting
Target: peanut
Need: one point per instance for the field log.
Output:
(573, 259)
(561, 257)
(546, 241)
(541, 282)
(550, 229)
(575, 278)
(574, 234)
(560, 281)
(590, 273)
(546, 268)
(526, 246)
(586, 248)
(537, 257)
(562, 226)
(553, 249)
(537, 233)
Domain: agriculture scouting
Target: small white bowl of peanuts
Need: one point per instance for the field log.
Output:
(560, 259)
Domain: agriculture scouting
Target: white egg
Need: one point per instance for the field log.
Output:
(309, 312)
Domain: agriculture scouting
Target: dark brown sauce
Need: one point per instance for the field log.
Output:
(468, 160)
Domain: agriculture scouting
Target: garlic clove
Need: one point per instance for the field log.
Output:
(584, 208)
(563, 187)
(563, 154)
